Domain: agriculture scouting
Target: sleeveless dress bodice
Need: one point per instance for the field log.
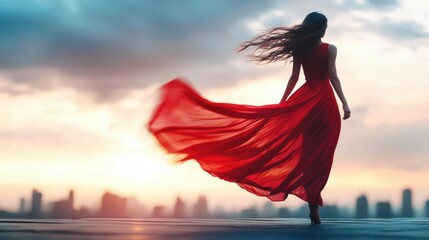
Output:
(315, 64)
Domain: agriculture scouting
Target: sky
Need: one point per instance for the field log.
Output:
(79, 79)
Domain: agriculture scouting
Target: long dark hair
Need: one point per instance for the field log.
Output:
(282, 43)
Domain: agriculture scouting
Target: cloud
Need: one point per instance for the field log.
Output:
(123, 44)
(399, 146)
(59, 141)
(399, 30)
(386, 4)
(108, 50)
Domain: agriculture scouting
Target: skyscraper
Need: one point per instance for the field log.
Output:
(362, 207)
(36, 204)
(427, 208)
(407, 207)
(22, 207)
(71, 199)
(179, 208)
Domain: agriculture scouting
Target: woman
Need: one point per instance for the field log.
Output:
(271, 150)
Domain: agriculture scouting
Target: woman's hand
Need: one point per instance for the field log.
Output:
(347, 111)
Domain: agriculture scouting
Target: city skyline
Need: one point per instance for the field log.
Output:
(114, 206)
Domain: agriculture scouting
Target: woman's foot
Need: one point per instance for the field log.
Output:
(314, 214)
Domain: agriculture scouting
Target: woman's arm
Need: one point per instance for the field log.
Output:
(335, 81)
(293, 79)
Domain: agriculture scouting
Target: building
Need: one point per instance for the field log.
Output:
(329, 211)
(407, 206)
(268, 210)
(251, 212)
(383, 210)
(427, 208)
(36, 204)
(135, 209)
(64, 208)
(362, 207)
(179, 208)
(158, 212)
(200, 208)
(283, 212)
(113, 206)
(21, 211)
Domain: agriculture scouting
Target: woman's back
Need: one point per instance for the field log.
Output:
(316, 63)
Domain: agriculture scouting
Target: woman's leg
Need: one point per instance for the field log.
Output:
(314, 213)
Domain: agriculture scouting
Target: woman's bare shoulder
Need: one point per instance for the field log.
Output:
(332, 48)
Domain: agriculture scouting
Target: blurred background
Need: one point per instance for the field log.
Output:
(79, 79)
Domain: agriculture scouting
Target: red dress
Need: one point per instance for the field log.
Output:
(271, 150)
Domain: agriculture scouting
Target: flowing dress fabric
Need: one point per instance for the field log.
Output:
(271, 150)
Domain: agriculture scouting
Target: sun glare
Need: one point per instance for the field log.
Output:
(137, 167)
